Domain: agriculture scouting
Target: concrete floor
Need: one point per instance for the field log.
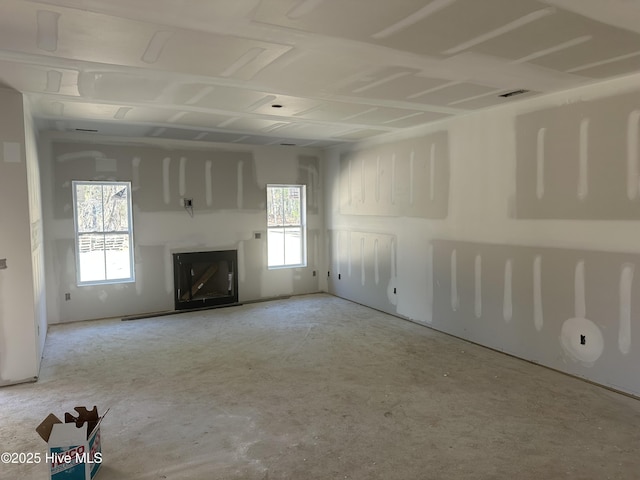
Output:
(316, 387)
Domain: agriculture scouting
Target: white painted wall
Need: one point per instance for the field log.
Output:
(162, 174)
(22, 323)
(37, 234)
(481, 209)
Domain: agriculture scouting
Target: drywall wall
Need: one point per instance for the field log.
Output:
(567, 308)
(227, 185)
(598, 176)
(408, 179)
(535, 247)
(37, 238)
(22, 325)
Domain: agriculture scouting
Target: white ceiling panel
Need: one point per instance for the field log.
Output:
(606, 43)
(113, 129)
(253, 124)
(31, 28)
(72, 34)
(333, 18)
(108, 86)
(19, 27)
(166, 12)
(310, 130)
(70, 109)
(619, 13)
(360, 134)
(363, 114)
(305, 71)
(490, 100)
(255, 140)
(453, 93)
(214, 137)
(391, 83)
(216, 55)
(560, 31)
(366, 81)
(611, 67)
(335, 111)
(36, 78)
(197, 119)
(415, 26)
(414, 119)
(150, 115)
(216, 97)
(194, 135)
(463, 22)
(386, 116)
(285, 105)
(342, 71)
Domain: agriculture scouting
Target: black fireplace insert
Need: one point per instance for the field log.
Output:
(205, 279)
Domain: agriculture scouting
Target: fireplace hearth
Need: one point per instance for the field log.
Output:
(205, 279)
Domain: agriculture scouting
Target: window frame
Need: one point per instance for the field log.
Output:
(302, 226)
(77, 235)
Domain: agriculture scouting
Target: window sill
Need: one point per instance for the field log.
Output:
(284, 267)
(107, 282)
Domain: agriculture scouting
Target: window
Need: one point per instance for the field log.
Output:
(286, 226)
(104, 237)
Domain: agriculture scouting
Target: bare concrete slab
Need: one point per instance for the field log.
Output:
(316, 387)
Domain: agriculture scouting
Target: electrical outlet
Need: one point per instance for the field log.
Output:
(257, 235)
(3, 263)
(67, 296)
(188, 202)
(314, 273)
(583, 339)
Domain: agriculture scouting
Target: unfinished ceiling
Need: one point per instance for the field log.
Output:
(304, 72)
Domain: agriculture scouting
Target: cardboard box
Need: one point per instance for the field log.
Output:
(75, 448)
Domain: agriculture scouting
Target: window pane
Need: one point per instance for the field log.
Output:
(274, 206)
(89, 208)
(102, 209)
(275, 239)
(117, 258)
(291, 206)
(115, 207)
(285, 222)
(292, 246)
(91, 257)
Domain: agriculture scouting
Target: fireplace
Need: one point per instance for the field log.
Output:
(205, 279)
